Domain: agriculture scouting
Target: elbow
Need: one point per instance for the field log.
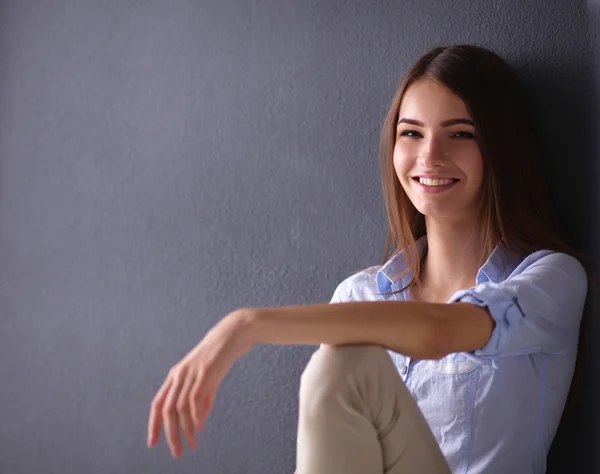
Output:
(438, 340)
(467, 328)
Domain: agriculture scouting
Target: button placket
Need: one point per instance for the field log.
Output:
(402, 297)
(404, 368)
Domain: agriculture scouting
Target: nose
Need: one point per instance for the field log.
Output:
(431, 153)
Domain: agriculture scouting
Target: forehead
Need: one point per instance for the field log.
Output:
(429, 99)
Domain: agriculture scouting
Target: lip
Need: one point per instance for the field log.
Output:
(433, 176)
(434, 189)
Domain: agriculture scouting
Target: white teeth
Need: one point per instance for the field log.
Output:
(435, 182)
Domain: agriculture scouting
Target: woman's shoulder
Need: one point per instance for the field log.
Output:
(359, 286)
(553, 260)
(550, 270)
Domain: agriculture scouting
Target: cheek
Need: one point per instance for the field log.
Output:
(471, 163)
(401, 164)
(477, 164)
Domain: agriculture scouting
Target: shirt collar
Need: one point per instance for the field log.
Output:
(499, 265)
(396, 268)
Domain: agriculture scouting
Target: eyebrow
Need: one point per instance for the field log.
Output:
(445, 123)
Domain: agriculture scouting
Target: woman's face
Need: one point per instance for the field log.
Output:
(436, 156)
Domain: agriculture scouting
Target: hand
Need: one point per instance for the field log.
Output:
(186, 397)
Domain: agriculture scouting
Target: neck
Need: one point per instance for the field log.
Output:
(454, 255)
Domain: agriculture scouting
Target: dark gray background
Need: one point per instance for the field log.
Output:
(165, 162)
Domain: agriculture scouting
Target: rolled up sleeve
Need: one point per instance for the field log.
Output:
(536, 310)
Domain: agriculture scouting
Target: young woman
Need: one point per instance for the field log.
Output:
(457, 354)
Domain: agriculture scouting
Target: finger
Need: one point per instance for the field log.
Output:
(195, 408)
(170, 414)
(184, 414)
(155, 420)
(198, 393)
(208, 405)
(203, 399)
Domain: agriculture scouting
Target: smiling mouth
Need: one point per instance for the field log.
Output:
(435, 182)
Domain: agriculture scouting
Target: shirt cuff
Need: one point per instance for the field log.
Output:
(503, 308)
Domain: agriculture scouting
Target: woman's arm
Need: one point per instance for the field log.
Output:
(420, 330)
(416, 329)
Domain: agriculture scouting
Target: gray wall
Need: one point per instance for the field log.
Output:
(165, 162)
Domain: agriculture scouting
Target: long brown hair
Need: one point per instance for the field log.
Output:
(517, 206)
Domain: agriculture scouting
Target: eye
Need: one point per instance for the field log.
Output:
(463, 135)
(410, 133)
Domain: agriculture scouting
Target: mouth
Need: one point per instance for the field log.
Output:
(435, 181)
(435, 185)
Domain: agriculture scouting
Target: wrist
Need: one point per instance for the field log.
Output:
(245, 323)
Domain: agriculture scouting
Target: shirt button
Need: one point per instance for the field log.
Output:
(404, 370)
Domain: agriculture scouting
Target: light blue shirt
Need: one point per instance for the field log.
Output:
(495, 410)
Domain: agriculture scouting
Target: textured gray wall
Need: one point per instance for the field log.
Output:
(165, 162)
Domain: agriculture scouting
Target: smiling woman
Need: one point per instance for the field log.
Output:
(436, 155)
(455, 355)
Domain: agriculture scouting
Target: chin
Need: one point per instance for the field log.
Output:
(440, 213)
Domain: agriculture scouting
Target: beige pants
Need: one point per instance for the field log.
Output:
(357, 416)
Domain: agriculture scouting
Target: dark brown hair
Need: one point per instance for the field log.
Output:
(516, 207)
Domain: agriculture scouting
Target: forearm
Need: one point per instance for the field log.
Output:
(417, 329)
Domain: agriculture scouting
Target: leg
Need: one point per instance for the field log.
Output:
(357, 417)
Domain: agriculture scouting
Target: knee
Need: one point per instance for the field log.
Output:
(333, 370)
